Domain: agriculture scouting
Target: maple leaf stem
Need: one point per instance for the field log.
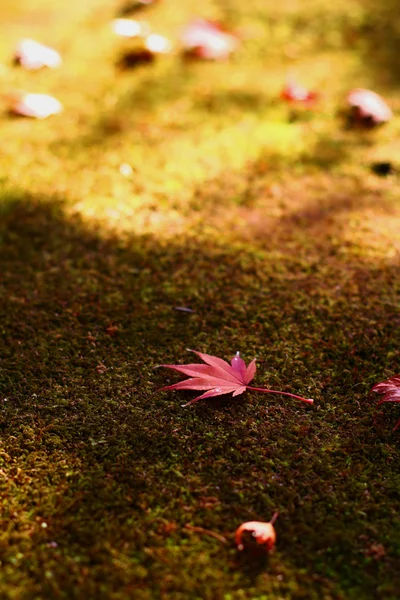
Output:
(254, 389)
(274, 518)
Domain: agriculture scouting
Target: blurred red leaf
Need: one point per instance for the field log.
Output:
(32, 55)
(208, 40)
(391, 390)
(37, 106)
(294, 92)
(368, 107)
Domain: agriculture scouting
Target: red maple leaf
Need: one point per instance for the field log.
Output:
(264, 533)
(208, 40)
(294, 92)
(368, 107)
(391, 390)
(218, 377)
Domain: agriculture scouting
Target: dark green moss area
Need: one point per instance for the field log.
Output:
(100, 473)
(271, 227)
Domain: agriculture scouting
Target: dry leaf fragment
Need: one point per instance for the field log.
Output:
(217, 377)
(208, 40)
(368, 108)
(383, 168)
(144, 51)
(32, 55)
(135, 58)
(112, 329)
(135, 6)
(264, 533)
(37, 106)
(377, 551)
(391, 390)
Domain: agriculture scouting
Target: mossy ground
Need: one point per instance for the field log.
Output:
(274, 230)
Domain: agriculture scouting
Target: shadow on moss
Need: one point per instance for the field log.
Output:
(103, 473)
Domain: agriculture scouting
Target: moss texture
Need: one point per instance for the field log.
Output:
(268, 224)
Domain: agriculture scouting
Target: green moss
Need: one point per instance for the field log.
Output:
(275, 233)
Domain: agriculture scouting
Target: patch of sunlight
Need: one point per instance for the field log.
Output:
(133, 215)
(173, 175)
(374, 233)
(230, 148)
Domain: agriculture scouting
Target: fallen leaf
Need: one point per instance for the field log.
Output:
(264, 533)
(294, 92)
(218, 377)
(391, 390)
(129, 28)
(38, 106)
(368, 108)
(168, 527)
(208, 40)
(112, 329)
(376, 551)
(157, 44)
(32, 55)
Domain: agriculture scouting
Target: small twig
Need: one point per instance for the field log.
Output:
(217, 536)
